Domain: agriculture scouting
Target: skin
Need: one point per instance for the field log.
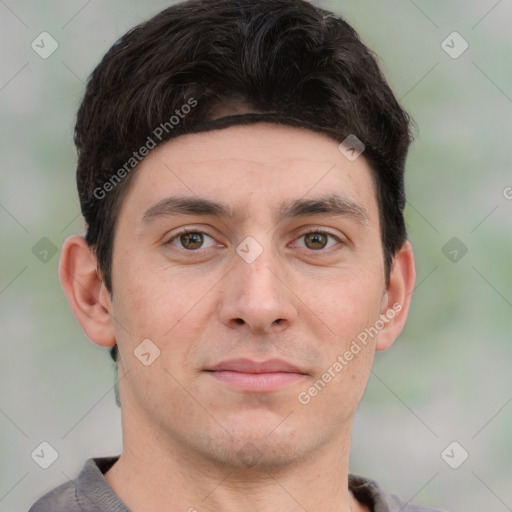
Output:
(190, 439)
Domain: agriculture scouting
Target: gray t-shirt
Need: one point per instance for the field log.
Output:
(90, 492)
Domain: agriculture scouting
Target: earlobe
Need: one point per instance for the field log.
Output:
(397, 298)
(86, 293)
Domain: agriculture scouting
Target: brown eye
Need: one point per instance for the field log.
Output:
(191, 240)
(319, 241)
(316, 240)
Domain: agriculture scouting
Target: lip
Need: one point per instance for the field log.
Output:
(254, 376)
(249, 366)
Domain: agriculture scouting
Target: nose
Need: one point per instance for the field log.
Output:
(257, 297)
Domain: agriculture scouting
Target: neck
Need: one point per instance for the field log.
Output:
(149, 477)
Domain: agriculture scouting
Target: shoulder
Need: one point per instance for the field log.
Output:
(368, 492)
(89, 492)
(60, 499)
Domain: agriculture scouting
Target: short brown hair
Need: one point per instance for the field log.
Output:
(291, 60)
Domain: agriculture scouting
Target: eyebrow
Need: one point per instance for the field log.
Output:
(326, 205)
(189, 205)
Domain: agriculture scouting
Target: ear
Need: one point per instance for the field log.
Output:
(397, 298)
(86, 293)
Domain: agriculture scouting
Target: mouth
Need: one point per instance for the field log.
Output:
(252, 376)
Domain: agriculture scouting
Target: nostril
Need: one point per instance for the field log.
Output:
(239, 321)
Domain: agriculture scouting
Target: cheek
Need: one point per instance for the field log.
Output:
(349, 304)
(159, 306)
(348, 353)
(145, 295)
(348, 308)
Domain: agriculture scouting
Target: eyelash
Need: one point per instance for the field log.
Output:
(311, 231)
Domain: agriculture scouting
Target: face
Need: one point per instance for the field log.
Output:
(251, 259)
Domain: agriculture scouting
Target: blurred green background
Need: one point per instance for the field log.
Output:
(447, 378)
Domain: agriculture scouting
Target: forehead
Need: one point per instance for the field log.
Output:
(265, 162)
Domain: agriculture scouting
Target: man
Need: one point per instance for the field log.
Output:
(240, 172)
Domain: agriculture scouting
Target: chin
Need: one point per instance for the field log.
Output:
(258, 453)
(260, 444)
